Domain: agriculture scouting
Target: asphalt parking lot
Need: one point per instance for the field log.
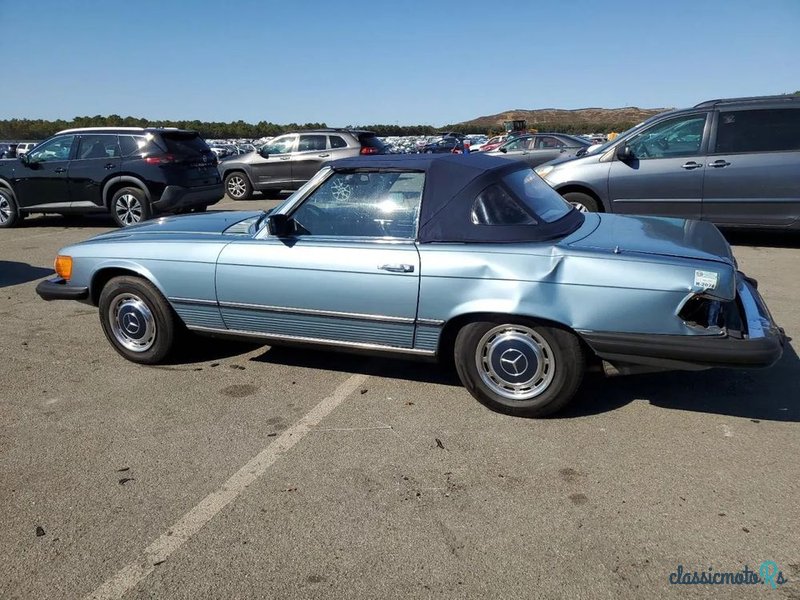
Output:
(248, 471)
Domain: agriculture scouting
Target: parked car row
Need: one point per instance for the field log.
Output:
(733, 162)
(15, 149)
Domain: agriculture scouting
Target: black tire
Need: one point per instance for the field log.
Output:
(128, 305)
(550, 365)
(579, 199)
(9, 212)
(129, 206)
(238, 186)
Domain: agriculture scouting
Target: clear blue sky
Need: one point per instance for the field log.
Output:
(379, 61)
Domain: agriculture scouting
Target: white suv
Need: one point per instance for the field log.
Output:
(24, 147)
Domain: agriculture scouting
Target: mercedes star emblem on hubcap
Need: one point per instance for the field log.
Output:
(513, 362)
(130, 323)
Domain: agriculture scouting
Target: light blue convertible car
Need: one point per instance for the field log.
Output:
(467, 257)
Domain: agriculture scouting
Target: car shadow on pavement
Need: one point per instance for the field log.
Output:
(91, 220)
(766, 239)
(13, 273)
(201, 348)
(379, 366)
(760, 394)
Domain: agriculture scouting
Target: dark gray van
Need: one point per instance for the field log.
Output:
(733, 162)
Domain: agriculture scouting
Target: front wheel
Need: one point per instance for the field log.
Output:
(582, 202)
(9, 213)
(137, 320)
(519, 367)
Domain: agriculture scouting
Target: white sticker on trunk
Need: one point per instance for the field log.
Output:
(706, 279)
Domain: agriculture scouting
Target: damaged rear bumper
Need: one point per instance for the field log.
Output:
(761, 345)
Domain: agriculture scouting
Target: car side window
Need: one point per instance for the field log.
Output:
(337, 142)
(518, 144)
(311, 142)
(546, 142)
(281, 145)
(58, 148)
(97, 146)
(363, 205)
(681, 136)
(769, 130)
(132, 144)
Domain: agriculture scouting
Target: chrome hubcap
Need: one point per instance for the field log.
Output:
(5, 209)
(580, 207)
(236, 187)
(515, 362)
(132, 323)
(128, 209)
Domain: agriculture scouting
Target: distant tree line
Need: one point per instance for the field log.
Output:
(39, 129)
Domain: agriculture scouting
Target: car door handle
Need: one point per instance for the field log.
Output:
(397, 268)
(110, 166)
(691, 165)
(60, 170)
(286, 157)
(718, 164)
(326, 155)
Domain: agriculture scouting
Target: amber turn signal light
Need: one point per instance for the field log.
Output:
(63, 266)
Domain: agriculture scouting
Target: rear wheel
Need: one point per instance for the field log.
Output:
(582, 202)
(129, 206)
(137, 320)
(519, 367)
(9, 213)
(237, 186)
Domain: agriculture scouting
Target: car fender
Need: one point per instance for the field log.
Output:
(5, 184)
(130, 266)
(118, 179)
(236, 166)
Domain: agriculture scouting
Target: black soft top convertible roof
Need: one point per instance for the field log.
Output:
(452, 182)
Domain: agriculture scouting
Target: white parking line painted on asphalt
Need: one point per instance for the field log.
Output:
(189, 524)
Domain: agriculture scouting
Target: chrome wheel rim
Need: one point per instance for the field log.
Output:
(236, 186)
(5, 209)
(580, 207)
(132, 323)
(128, 209)
(515, 362)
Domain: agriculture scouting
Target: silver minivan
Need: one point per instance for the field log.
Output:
(733, 162)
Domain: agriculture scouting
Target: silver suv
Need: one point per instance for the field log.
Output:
(289, 160)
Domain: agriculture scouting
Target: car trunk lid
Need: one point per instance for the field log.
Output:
(659, 236)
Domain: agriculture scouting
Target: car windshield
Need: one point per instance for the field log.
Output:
(605, 146)
(540, 198)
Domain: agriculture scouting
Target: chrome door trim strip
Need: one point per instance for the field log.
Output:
(434, 322)
(318, 313)
(309, 311)
(310, 340)
(193, 301)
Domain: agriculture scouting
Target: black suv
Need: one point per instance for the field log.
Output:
(132, 172)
